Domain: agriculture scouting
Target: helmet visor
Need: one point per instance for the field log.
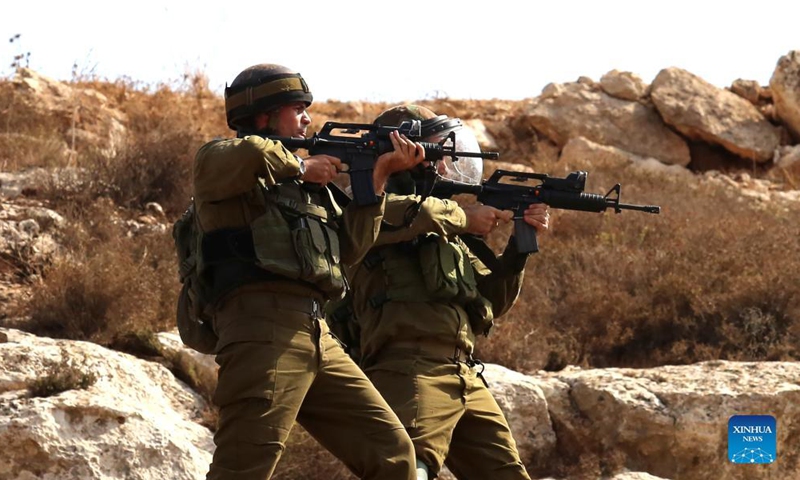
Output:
(463, 169)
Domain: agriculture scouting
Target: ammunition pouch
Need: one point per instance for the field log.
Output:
(298, 240)
(425, 270)
(447, 270)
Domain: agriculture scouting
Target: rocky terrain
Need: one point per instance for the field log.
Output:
(141, 416)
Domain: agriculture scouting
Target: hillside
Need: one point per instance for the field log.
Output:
(93, 173)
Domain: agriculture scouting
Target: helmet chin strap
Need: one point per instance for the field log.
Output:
(272, 123)
(271, 128)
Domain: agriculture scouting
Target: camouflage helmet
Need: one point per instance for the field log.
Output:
(262, 88)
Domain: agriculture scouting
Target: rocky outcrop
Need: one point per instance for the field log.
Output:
(87, 117)
(668, 421)
(785, 85)
(135, 422)
(576, 110)
(701, 111)
(582, 154)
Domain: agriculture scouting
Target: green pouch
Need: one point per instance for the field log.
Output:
(274, 245)
(438, 260)
(316, 248)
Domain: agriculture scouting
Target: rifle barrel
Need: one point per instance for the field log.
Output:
(641, 208)
(487, 155)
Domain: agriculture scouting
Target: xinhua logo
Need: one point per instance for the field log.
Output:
(752, 439)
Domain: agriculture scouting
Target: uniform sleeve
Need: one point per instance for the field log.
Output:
(444, 217)
(359, 230)
(501, 287)
(225, 168)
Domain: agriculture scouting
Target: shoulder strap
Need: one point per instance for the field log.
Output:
(481, 250)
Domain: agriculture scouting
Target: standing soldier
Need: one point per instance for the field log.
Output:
(420, 297)
(272, 242)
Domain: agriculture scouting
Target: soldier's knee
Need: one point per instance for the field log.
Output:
(404, 444)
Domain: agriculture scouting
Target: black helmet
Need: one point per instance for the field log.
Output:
(262, 88)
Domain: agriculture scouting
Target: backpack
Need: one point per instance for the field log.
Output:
(194, 321)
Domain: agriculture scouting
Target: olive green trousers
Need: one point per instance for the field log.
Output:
(279, 363)
(450, 415)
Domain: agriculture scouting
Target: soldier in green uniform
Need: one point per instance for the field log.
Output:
(272, 245)
(420, 297)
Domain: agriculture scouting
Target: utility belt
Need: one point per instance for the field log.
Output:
(428, 347)
(269, 300)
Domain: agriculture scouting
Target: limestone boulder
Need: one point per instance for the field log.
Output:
(136, 421)
(785, 86)
(672, 421)
(624, 85)
(574, 110)
(701, 111)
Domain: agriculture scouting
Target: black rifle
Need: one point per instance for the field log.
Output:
(359, 146)
(563, 193)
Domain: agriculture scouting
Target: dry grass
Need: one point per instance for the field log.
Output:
(712, 277)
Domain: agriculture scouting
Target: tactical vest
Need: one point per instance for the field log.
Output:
(430, 269)
(296, 239)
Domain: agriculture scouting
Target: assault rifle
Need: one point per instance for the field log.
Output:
(562, 193)
(359, 145)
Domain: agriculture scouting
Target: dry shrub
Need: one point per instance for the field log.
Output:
(156, 168)
(108, 285)
(712, 277)
(165, 129)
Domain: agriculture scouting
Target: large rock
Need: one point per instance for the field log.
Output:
(704, 112)
(575, 110)
(524, 405)
(624, 85)
(672, 421)
(785, 85)
(582, 154)
(136, 422)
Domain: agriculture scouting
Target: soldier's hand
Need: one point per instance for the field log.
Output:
(482, 219)
(537, 216)
(406, 155)
(321, 169)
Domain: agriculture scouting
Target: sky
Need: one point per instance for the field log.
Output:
(401, 51)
